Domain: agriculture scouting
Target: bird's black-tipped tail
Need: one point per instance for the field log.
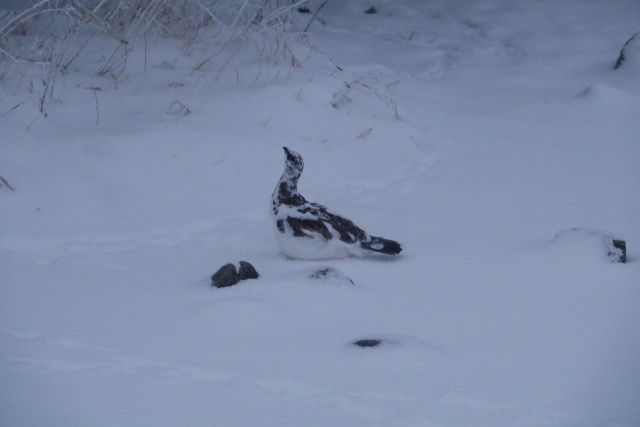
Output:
(384, 246)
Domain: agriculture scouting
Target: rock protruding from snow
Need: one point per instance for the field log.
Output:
(618, 251)
(607, 96)
(630, 52)
(368, 342)
(385, 340)
(608, 245)
(230, 274)
(327, 274)
(394, 341)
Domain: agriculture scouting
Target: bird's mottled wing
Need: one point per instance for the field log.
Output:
(348, 231)
(306, 227)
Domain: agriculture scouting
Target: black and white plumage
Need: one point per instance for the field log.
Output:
(308, 230)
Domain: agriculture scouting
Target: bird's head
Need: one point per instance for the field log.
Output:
(294, 162)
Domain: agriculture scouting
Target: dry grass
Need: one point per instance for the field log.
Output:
(39, 44)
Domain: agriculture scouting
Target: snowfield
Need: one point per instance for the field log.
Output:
(476, 133)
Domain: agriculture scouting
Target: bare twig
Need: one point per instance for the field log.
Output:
(315, 14)
(6, 113)
(95, 90)
(178, 109)
(5, 182)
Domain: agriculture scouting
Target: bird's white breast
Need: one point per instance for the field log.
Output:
(315, 246)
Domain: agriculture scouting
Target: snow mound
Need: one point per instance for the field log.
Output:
(325, 274)
(605, 94)
(590, 244)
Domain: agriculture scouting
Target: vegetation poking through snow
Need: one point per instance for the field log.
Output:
(42, 42)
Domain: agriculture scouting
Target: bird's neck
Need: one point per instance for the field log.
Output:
(286, 191)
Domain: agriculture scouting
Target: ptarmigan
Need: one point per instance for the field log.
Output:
(308, 230)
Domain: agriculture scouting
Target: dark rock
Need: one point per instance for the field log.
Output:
(371, 11)
(229, 274)
(226, 276)
(368, 342)
(247, 271)
(618, 251)
(304, 10)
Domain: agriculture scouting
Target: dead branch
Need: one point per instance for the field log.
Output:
(5, 182)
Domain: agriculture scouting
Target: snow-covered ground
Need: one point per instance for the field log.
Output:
(476, 133)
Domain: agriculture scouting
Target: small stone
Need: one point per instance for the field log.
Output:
(226, 276)
(368, 342)
(618, 251)
(229, 274)
(371, 11)
(247, 271)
